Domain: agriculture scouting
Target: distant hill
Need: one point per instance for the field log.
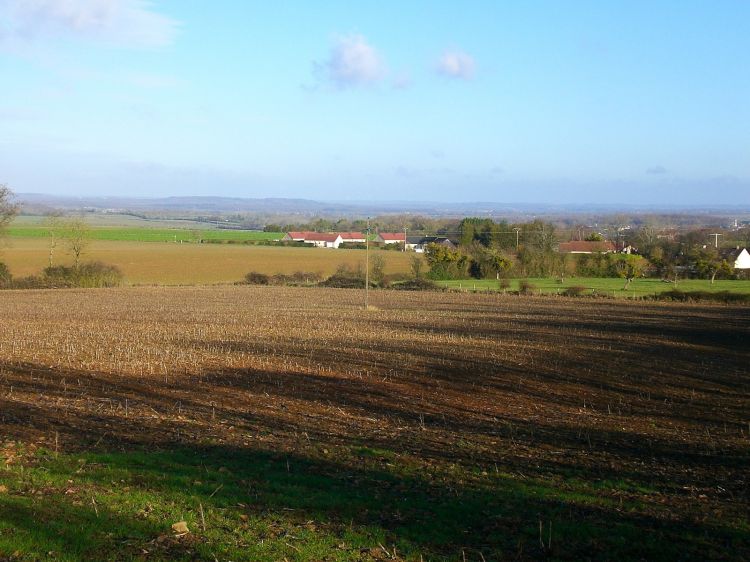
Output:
(36, 203)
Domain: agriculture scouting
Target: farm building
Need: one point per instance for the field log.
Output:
(419, 243)
(356, 237)
(587, 247)
(296, 236)
(742, 259)
(318, 239)
(390, 238)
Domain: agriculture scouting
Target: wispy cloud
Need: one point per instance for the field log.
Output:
(456, 64)
(656, 170)
(351, 62)
(131, 23)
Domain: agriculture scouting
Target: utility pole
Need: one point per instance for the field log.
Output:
(716, 239)
(404, 238)
(517, 230)
(367, 265)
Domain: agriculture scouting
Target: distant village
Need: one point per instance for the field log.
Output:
(665, 253)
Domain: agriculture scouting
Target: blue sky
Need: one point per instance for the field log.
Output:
(554, 102)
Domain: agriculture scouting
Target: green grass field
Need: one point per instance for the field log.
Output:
(147, 234)
(605, 286)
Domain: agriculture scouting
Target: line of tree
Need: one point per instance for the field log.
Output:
(492, 249)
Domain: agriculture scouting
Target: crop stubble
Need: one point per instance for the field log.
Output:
(191, 264)
(553, 388)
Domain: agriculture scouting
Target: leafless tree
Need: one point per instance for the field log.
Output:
(377, 268)
(8, 207)
(54, 225)
(77, 236)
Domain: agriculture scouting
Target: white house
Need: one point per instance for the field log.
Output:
(318, 239)
(742, 261)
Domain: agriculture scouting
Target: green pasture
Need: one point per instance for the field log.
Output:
(145, 234)
(604, 285)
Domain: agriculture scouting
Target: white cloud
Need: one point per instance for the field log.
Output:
(352, 62)
(125, 22)
(456, 64)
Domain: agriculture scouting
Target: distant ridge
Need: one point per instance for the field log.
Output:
(275, 205)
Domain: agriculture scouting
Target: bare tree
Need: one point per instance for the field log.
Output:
(8, 207)
(54, 224)
(377, 268)
(77, 236)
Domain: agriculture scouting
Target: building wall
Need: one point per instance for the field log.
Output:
(743, 260)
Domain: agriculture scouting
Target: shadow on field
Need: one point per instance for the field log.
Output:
(435, 451)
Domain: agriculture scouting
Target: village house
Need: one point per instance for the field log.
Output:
(352, 237)
(390, 238)
(420, 243)
(742, 261)
(738, 258)
(587, 247)
(317, 239)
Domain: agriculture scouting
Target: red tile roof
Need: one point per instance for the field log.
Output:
(299, 235)
(314, 236)
(351, 236)
(398, 236)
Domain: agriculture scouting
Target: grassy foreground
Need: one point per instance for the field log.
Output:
(353, 503)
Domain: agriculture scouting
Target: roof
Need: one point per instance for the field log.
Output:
(422, 240)
(732, 253)
(351, 235)
(314, 236)
(398, 236)
(322, 237)
(585, 246)
(299, 235)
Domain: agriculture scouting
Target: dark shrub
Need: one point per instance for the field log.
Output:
(417, 285)
(344, 281)
(87, 275)
(504, 284)
(719, 296)
(296, 278)
(5, 276)
(255, 278)
(306, 277)
(575, 291)
(30, 282)
(525, 287)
